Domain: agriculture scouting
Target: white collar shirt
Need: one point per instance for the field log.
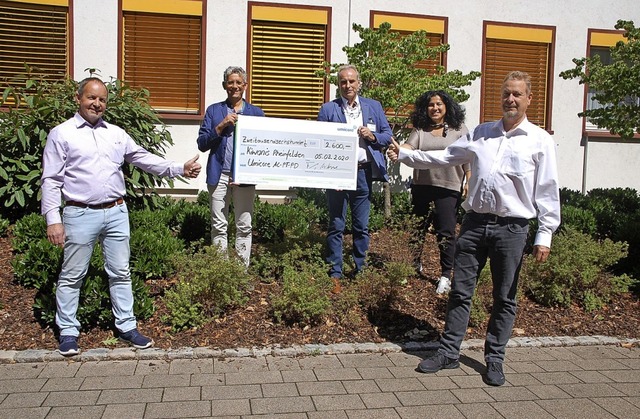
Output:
(353, 115)
(513, 174)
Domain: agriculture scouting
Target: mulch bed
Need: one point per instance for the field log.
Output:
(417, 307)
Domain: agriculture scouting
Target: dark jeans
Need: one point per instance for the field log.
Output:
(444, 217)
(360, 202)
(502, 240)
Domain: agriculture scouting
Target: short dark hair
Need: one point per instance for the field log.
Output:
(83, 83)
(454, 117)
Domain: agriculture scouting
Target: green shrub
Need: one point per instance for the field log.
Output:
(577, 271)
(303, 298)
(208, 284)
(479, 313)
(579, 219)
(27, 229)
(376, 289)
(4, 226)
(152, 244)
(196, 224)
(45, 104)
(38, 265)
(274, 222)
(270, 261)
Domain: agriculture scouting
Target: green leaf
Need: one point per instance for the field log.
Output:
(19, 198)
(23, 138)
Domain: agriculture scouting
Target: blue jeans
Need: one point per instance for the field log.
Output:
(360, 203)
(502, 240)
(83, 227)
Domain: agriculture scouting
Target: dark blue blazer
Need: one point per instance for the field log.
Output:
(209, 140)
(371, 111)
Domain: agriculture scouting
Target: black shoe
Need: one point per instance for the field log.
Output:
(494, 375)
(438, 362)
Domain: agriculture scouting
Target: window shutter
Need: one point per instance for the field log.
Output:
(162, 54)
(284, 57)
(35, 35)
(431, 64)
(502, 56)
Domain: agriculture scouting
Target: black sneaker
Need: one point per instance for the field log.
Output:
(68, 346)
(137, 340)
(494, 375)
(437, 363)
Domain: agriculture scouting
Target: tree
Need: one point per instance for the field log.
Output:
(34, 105)
(617, 85)
(387, 63)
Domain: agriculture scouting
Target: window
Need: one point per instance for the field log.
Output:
(162, 50)
(518, 47)
(600, 43)
(34, 33)
(435, 27)
(286, 46)
(406, 24)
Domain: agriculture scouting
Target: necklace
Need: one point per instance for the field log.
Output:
(444, 127)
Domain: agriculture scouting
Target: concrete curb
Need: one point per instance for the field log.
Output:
(119, 354)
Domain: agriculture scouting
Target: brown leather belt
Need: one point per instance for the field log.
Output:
(104, 205)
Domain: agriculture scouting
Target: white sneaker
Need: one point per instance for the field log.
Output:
(444, 285)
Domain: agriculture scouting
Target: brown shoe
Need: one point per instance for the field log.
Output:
(337, 287)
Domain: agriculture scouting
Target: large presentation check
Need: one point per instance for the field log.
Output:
(279, 152)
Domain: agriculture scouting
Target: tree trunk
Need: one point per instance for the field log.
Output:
(386, 188)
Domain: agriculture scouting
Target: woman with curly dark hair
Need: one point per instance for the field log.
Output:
(437, 122)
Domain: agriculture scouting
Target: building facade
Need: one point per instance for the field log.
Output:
(178, 49)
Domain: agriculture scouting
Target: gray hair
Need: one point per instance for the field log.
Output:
(234, 70)
(83, 83)
(519, 75)
(347, 67)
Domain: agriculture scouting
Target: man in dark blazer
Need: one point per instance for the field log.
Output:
(374, 134)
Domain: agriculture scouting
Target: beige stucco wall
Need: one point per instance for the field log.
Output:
(609, 165)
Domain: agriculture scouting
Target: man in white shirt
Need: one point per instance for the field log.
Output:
(514, 179)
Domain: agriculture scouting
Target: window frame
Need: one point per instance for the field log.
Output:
(406, 23)
(520, 33)
(604, 38)
(293, 14)
(68, 4)
(165, 9)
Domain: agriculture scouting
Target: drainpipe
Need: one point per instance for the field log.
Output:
(585, 143)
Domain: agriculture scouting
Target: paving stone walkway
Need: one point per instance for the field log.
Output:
(587, 378)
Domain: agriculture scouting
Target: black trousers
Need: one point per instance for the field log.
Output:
(443, 217)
